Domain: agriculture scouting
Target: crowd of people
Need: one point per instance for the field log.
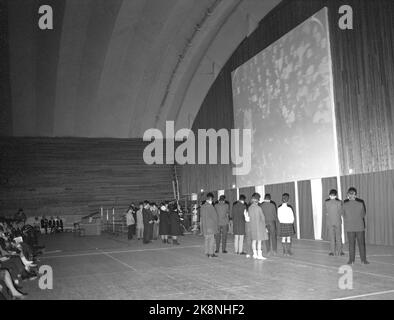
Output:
(255, 223)
(19, 252)
(148, 222)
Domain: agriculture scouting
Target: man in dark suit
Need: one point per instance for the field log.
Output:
(147, 217)
(271, 222)
(354, 213)
(333, 212)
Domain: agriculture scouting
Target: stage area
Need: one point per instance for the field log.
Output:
(111, 267)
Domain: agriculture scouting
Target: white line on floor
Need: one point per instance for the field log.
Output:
(118, 251)
(120, 261)
(365, 295)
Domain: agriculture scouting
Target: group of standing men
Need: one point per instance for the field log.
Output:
(353, 211)
(252, 224)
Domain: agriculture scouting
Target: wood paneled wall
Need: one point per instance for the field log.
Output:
(5, 89)
(363, 70)
(72, 176)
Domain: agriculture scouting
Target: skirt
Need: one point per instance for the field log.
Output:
(286, 230)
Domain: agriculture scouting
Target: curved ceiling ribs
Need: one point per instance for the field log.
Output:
(121, 66)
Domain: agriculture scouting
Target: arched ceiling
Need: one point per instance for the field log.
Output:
(114, 68)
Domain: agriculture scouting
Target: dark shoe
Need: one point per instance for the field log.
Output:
(216, 251)
(208, 255)
(243, 253)
(224, 251)
(350, 262)
(175, 242)
(331, 254)
(342, 254)
(364, 262)
(214, 256)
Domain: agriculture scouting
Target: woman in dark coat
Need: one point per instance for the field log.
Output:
(164, 222)
(175, 223)
(239, 224)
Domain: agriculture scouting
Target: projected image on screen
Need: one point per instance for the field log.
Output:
(283, 94)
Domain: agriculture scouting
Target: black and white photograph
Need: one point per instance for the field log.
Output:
(196, 155)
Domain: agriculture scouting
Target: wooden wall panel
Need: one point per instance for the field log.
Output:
(5, 87)
(363, 71)
(67, 176)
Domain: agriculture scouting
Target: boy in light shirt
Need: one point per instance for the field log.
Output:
(286, 224)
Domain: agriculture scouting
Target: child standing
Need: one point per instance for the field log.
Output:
(286, 224)
(140, 222)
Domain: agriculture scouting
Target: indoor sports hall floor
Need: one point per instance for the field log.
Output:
(111, 267)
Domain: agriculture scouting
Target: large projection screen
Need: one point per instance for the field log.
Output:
(284, 94)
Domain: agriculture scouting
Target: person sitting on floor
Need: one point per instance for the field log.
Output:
(9, 286)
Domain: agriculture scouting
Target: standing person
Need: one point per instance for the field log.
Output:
(130, 222)
(155, 226)
(140, 221)
(175, 222)
(44, 224)
(248, 235)
(209, 225)
(271, 222)
(354, 213)
(286, 224)
(223, 212)
(238, 218)
(333, 212)
(148, 222)
(164, 223)
(257, 227)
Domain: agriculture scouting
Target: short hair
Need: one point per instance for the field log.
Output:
(141, 204)
(285, 197)
(256, 196)
(146, 202)
(267, 196)
(242, 197)
(333, 192)
(352, 190)
(210, 196)
(222, 197)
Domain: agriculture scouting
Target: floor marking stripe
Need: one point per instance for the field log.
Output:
(121, 262)
(119, 251)
(365, 295)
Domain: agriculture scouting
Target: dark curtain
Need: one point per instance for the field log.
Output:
(248, 192)
(231, 196)
(305, 210)
(328, 184)
(377, 190)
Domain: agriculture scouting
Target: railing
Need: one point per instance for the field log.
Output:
(111, 222)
